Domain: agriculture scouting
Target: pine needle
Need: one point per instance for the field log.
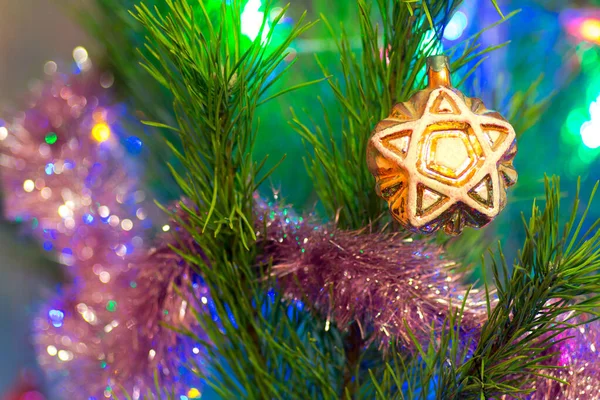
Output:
(217, 81)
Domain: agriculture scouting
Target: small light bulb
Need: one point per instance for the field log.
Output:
(80, 54)
(28, 185)
(103, 211)
(52, 350)
(65, 212)
(590, 30)
(101, 132)
(126, 224)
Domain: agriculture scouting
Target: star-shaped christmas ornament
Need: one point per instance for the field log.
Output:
(442, 159)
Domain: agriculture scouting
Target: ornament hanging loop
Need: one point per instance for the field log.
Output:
(438, 71)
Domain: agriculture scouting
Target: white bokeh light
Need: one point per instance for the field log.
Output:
(590, 130)
(252, 20)
(456, 26)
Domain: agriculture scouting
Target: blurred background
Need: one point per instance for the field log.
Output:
(31, 33)
(551, 40)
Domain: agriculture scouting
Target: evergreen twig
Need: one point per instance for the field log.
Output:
(553, 281)
(554, 275)
(217, 82)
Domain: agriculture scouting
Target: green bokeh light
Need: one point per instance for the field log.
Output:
(111, 306)
(51, 138)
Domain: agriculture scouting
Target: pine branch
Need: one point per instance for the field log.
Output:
(405, 377)
(554, 280)
(352, 351)
(555, 275)
(217, 81)
(525, 109)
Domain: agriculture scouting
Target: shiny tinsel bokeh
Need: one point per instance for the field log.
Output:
(379, 281)
(69, 174)
(575, 352)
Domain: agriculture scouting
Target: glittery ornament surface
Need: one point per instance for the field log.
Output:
(69, 179)
(442, 160)
(379, 281)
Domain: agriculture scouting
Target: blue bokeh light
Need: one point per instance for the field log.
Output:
(134, 145)
(56, 316)
(456, 26)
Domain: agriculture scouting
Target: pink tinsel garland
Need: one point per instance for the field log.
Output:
(67, 175)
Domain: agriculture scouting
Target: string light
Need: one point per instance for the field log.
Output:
(64, 211)
(456, 26)
(52, 350)
(590, 130)
(101, 132)
(80, 55)
(590, 30)
(50, 68)
(56, 316)
(252, 20)
(127, 225)
(103, 211)
(64, 355)
(28, 185)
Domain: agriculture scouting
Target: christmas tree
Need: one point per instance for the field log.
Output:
(202, 262)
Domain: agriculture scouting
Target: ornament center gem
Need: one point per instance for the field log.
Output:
(449, 153)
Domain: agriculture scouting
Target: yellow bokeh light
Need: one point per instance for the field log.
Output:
(64, 211)
(590, 30)
(101, 132)
(28, 186)
(52, 350)
(194, 393)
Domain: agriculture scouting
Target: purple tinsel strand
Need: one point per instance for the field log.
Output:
(379, 281)
(67, 175)
(126, 347)
(577, 356)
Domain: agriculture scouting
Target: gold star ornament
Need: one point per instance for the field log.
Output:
(442, 160)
